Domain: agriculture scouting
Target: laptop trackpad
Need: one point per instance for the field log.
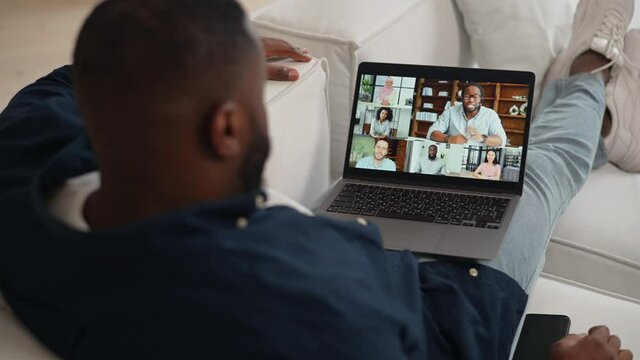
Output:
(431, 238)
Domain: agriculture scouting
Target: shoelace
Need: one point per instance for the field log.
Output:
(612, 32)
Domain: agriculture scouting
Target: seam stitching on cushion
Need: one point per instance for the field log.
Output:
(296, 83)
(593, 251)
(589, 288)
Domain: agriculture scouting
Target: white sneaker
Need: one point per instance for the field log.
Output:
(598, 25)
(623, 90)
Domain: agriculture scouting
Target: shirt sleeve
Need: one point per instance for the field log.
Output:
(495, 128)
(441, 124)
(38, 122)
(386, 127)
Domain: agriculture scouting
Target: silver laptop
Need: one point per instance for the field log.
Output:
(435, 156)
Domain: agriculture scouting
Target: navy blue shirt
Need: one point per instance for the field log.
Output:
(190, 284)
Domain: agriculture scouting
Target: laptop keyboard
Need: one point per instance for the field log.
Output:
(421, 205)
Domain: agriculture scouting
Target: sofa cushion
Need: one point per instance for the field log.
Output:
(299, 130)
(596, 240)
(518, 35)
(348, 32)
(15, 340)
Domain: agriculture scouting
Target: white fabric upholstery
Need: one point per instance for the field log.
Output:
(349, 32)
(587, 307)
(596, 241)
(299, 130)
(15, 340)
(518, 35)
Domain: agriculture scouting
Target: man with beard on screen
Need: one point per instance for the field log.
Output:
(469, 122)
(432, 164)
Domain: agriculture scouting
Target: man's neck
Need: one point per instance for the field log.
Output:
(122, 200)
(377, 162)
(472, 114)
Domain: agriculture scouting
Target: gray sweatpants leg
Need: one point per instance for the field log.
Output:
(563, 142)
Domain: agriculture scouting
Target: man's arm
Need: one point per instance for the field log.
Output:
(439, 129)
(487, 140)
(39, 121)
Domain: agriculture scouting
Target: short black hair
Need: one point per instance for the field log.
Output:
(143, 53)
(389, 113)
(470, 84)
(434, 147)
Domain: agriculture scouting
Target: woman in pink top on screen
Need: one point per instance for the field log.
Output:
(489, 169)
(386, 95)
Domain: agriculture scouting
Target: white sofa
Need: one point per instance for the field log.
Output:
(593, 261)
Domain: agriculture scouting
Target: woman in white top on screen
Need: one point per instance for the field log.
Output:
(381, 127)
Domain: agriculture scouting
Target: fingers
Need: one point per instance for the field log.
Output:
(625, 355)
(572, 339)
(601, 332)
(281, 73)
(280, 48)
(613, 341)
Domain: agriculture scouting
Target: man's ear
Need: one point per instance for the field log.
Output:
(226, 130)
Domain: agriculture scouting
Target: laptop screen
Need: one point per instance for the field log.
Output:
(440, 125)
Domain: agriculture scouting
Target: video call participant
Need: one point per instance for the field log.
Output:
(378, 160)
(432, 164)
(381, 127)
(469, 122)
(489, 169)
(387, 95)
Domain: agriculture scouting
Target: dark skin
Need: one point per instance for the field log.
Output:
(471, 103)
(598, 344)
(432, 152)
(277, 48)
(180, 172)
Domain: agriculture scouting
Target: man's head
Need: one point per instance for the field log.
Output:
(433, 151)
(172, 90)
(380, 149)
(472, 97)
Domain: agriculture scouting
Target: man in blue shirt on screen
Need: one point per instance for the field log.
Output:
(469, 122)
(377, 161)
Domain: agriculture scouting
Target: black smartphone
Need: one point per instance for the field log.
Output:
(538, 333)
